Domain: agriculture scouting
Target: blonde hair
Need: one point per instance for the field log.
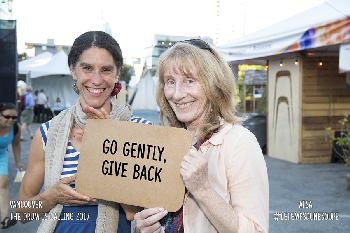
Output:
(215, 77)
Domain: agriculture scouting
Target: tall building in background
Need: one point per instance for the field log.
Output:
(160, 44)
(50, 46)
(107, 28)
(8, 53)
(217, 29)
(230, 20)
(6, 9)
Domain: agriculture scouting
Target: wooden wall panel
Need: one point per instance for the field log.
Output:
(325, 99)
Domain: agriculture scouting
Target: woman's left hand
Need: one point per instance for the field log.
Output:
(194, 171)
(93, 113)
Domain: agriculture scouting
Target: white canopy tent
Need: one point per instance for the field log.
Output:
(29, 65)
(50, 73)
(56, 86)
(56, 65)
(145, 94)
(313, 28)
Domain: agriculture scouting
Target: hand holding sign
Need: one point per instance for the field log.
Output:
(147, 221)
(62, 193)
(194, 171)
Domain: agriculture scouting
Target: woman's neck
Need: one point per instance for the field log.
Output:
(194, 131)
(195, 125)
(107, 106)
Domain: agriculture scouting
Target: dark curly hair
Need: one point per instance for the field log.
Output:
(7, 106)
(97, 39)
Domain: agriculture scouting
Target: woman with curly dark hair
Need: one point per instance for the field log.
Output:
(95, 61)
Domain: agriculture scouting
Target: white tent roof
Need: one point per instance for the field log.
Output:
(289, 35)
(26, 66)
(48, 72)
(44, 65)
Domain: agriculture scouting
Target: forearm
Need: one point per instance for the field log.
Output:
(16, 147)
(220, 214)
(34, 207)
(40, 203)
(17, 154)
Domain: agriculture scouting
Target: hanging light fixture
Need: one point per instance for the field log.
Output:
(281, 63)
(320, 63)
(296, 62)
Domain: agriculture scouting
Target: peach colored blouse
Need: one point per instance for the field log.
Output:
(237, 172)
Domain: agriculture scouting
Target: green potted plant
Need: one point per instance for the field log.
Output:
(343, 143)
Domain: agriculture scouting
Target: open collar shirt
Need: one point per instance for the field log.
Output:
(237, 172)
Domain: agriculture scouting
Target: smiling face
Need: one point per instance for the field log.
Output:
(185, 95)
(96, 74)
(8, 118)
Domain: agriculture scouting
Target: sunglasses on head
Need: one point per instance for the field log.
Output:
(199, 44)
(9, 117)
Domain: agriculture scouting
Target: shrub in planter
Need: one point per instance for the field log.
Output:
(342, 140)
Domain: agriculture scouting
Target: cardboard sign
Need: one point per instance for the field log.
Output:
(132, 163)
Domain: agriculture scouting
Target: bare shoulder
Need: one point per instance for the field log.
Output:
(36, 151)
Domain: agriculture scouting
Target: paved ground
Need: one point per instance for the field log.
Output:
(322, 186)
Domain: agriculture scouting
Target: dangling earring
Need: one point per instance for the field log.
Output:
(116, 89)
(74, 86)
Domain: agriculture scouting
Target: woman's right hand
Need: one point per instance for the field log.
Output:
(147, 220)
(62, 193)
(93, 113)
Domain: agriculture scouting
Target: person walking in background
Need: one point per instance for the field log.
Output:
(224, 173)
(42, 103)
(21, 91)
(48, 114)
(27, 114)
(9, 134)
(36, 93)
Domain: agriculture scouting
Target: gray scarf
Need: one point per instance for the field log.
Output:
(57, 139)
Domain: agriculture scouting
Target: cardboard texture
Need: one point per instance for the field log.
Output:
(114, 169)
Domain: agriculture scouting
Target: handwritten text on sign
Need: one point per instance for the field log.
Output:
(133, 163)
(134, 150)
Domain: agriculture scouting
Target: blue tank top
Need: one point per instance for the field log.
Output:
(5, 141)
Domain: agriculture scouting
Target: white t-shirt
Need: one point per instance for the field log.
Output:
(42, 99)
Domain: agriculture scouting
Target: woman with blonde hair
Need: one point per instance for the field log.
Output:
(224, 173)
